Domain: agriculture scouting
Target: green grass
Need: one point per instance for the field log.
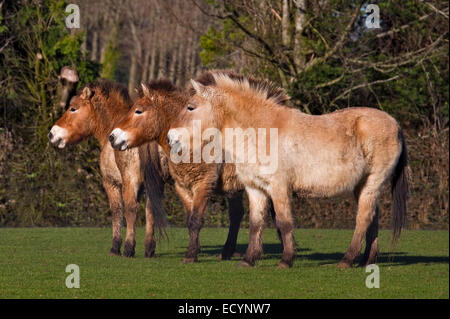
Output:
(33, 262)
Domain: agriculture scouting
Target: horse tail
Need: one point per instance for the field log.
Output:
(154, 184)
(400, 192)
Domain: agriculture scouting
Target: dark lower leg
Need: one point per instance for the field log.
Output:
(130, 241)
(150, 246)
(273, 215)
(287, 234)
(235, 213)
(353, 251)
(364, 217)
(254, 250)
(116, 244)
(150, 243)
(371, 251)
(194, 224)
(284, 222)
(258, 207)
(116, 232)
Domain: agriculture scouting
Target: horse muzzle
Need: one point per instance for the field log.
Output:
(119, 139)
(57, 136)
(173, 140)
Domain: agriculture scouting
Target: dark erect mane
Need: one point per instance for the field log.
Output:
(162, 85)
(273, 91)
(105, 87)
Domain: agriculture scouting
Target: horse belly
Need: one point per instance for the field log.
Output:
(329, 173)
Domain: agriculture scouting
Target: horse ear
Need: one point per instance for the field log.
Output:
(202, 90)
(145, 90)
(87, 93)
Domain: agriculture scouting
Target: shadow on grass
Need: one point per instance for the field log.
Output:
(270, 250)
(393, 259)
(273, 251)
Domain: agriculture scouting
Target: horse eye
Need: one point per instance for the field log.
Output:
(72, 109)
(190, 107)
(138, 112)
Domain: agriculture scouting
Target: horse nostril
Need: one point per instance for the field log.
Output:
(111, 138)
(50, 136)
(167, 139)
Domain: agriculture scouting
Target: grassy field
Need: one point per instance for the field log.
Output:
(33, 262)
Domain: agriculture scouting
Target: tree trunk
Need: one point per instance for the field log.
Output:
(94, 47)
(285, 22)
(145, 65)
(153, 72)
(300, 20)
(132, 81)
(181, 68)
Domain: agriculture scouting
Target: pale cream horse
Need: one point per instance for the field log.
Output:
(353, 151)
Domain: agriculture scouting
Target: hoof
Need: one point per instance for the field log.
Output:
(244, 264)
(343, 264)
(128, 249)
(228, 257)
(114, 253)
(189, 260)
(223, 257)
(363, 263)
(150, 249)
(128, 253)
(283, 265)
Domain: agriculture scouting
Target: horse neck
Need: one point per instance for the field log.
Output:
(105, 119)
(244, 113)
(170, 114)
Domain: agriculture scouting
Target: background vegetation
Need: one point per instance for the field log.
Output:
(320, 51)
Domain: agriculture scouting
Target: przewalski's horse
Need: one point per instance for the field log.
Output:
(93, 112)
(148, 120)
(351, 151)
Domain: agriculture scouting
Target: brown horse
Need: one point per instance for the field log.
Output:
(149, 120)
(93, 111)
(351, 151)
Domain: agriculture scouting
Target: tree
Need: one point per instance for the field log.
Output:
(323, 54)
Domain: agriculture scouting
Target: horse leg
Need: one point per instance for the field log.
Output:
(273, 215)
(258, 206)
(188, 202)
(115, 204)
(371, 251)
(235, 213)
(129, 195)
(282, 205)
(150, 243)
(367, 201)
(195, 221)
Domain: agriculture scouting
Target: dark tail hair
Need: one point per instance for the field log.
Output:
(400, 192)
(154, 185)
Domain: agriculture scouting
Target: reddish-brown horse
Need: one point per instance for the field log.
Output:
(93, 112)
(149, 120)
(351, 151)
